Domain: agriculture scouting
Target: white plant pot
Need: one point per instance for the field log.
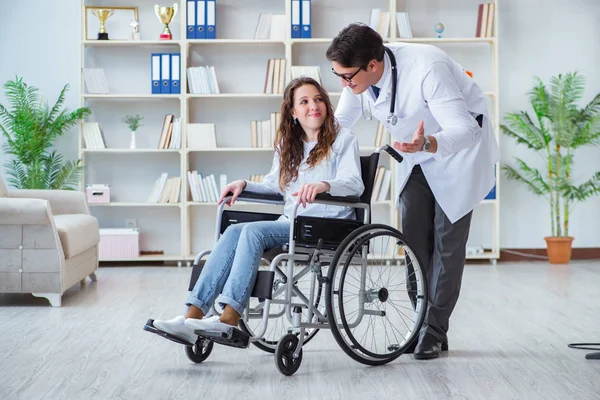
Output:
(132, 144)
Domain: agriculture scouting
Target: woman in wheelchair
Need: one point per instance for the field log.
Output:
(313, 155)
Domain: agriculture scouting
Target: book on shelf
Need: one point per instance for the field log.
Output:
(381, 186)
(95, 81)
(263, 132)
(380, 22)
(403, 23)
(275, 77)
(170, 135)
(201, 136)
(485, 20)
(165, 190)
(203, 80)
(92, 136)
(165, 69)
(271, 27)
(256, 178)
(381, 137)
(204, 189)
(307, 70)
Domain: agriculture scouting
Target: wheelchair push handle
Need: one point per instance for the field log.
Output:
(387, 148)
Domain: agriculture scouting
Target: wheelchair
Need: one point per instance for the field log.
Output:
(362, 281)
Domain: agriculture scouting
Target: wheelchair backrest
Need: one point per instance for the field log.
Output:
(368, 169)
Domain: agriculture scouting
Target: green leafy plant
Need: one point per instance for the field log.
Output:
(133, 121)
(561, 128)
(30, 128)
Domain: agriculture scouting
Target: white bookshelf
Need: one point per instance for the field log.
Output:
(183, 229)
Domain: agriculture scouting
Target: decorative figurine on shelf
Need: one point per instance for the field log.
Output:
(134, 124)
(439, 28)
(135, 29)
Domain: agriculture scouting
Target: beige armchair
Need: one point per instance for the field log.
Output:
(48, 242)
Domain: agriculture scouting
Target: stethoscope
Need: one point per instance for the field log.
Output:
(392, 118)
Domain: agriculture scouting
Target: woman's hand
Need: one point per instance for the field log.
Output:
(235, 187)
(309, 191)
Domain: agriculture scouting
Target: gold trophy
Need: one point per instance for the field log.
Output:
(103, 15)
(166, 14)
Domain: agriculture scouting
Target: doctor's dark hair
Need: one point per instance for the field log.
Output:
(288, 141)
(355, 46)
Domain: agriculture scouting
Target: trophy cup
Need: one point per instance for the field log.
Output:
(165, 15)
(103, 15)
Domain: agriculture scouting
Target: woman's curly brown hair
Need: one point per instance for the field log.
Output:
(288, 141)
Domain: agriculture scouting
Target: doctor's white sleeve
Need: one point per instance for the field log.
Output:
(448, 107)
(348, 110)
(270, 183)
(348, 177)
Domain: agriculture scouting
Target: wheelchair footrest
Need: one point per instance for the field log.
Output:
(149, 327)
(233, 337)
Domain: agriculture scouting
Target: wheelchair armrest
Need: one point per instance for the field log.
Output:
(246, 195)
(339, 199)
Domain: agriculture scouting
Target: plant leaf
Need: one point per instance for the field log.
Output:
(531, 177)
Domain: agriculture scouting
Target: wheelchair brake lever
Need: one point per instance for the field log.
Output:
(315, 256)
(316, 264)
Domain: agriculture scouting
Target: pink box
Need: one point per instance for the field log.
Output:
(118, 244)
(97, 193)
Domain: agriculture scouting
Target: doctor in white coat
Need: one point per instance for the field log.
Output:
(438, 116)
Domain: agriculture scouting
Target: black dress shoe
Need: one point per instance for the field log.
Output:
(429, 347)
(411, 348)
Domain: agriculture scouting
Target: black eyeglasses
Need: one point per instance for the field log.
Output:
(346, 78)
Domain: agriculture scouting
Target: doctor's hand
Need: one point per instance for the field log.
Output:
(417, 143)
(309, 191)
(235, 187)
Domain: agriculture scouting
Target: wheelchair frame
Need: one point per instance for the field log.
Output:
(313, 258)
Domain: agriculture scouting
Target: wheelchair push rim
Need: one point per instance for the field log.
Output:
(371, 317)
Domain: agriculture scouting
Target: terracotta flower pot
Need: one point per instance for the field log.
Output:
(559, 249)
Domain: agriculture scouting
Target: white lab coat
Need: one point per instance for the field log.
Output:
(435, 89)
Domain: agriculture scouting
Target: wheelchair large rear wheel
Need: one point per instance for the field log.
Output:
(376, 294)
(278, 326)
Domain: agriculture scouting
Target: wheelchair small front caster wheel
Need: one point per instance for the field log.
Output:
(199, 351)
(284, 355)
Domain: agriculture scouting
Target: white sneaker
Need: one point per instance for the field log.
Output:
(177, 328)
(208, 324)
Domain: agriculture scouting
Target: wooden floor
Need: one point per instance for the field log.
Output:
(508, 340)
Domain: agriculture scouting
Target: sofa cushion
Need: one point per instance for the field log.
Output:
(77, 232)
(3, 189)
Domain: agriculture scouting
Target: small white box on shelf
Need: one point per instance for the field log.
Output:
(119, 243)
(97, 193)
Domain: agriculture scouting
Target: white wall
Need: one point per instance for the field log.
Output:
(537, 37)
(46, 53)
(545, 38)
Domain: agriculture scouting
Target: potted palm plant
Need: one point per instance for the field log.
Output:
(559, 128)
(30, 128)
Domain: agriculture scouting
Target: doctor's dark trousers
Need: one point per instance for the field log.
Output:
(441, 247)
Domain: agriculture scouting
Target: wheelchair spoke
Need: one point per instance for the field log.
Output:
(375, 313)
(400, 313)
(385, 320)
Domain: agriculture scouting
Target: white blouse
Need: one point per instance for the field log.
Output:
(341, 170)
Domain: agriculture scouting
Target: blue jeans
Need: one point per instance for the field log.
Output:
(232, 265)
